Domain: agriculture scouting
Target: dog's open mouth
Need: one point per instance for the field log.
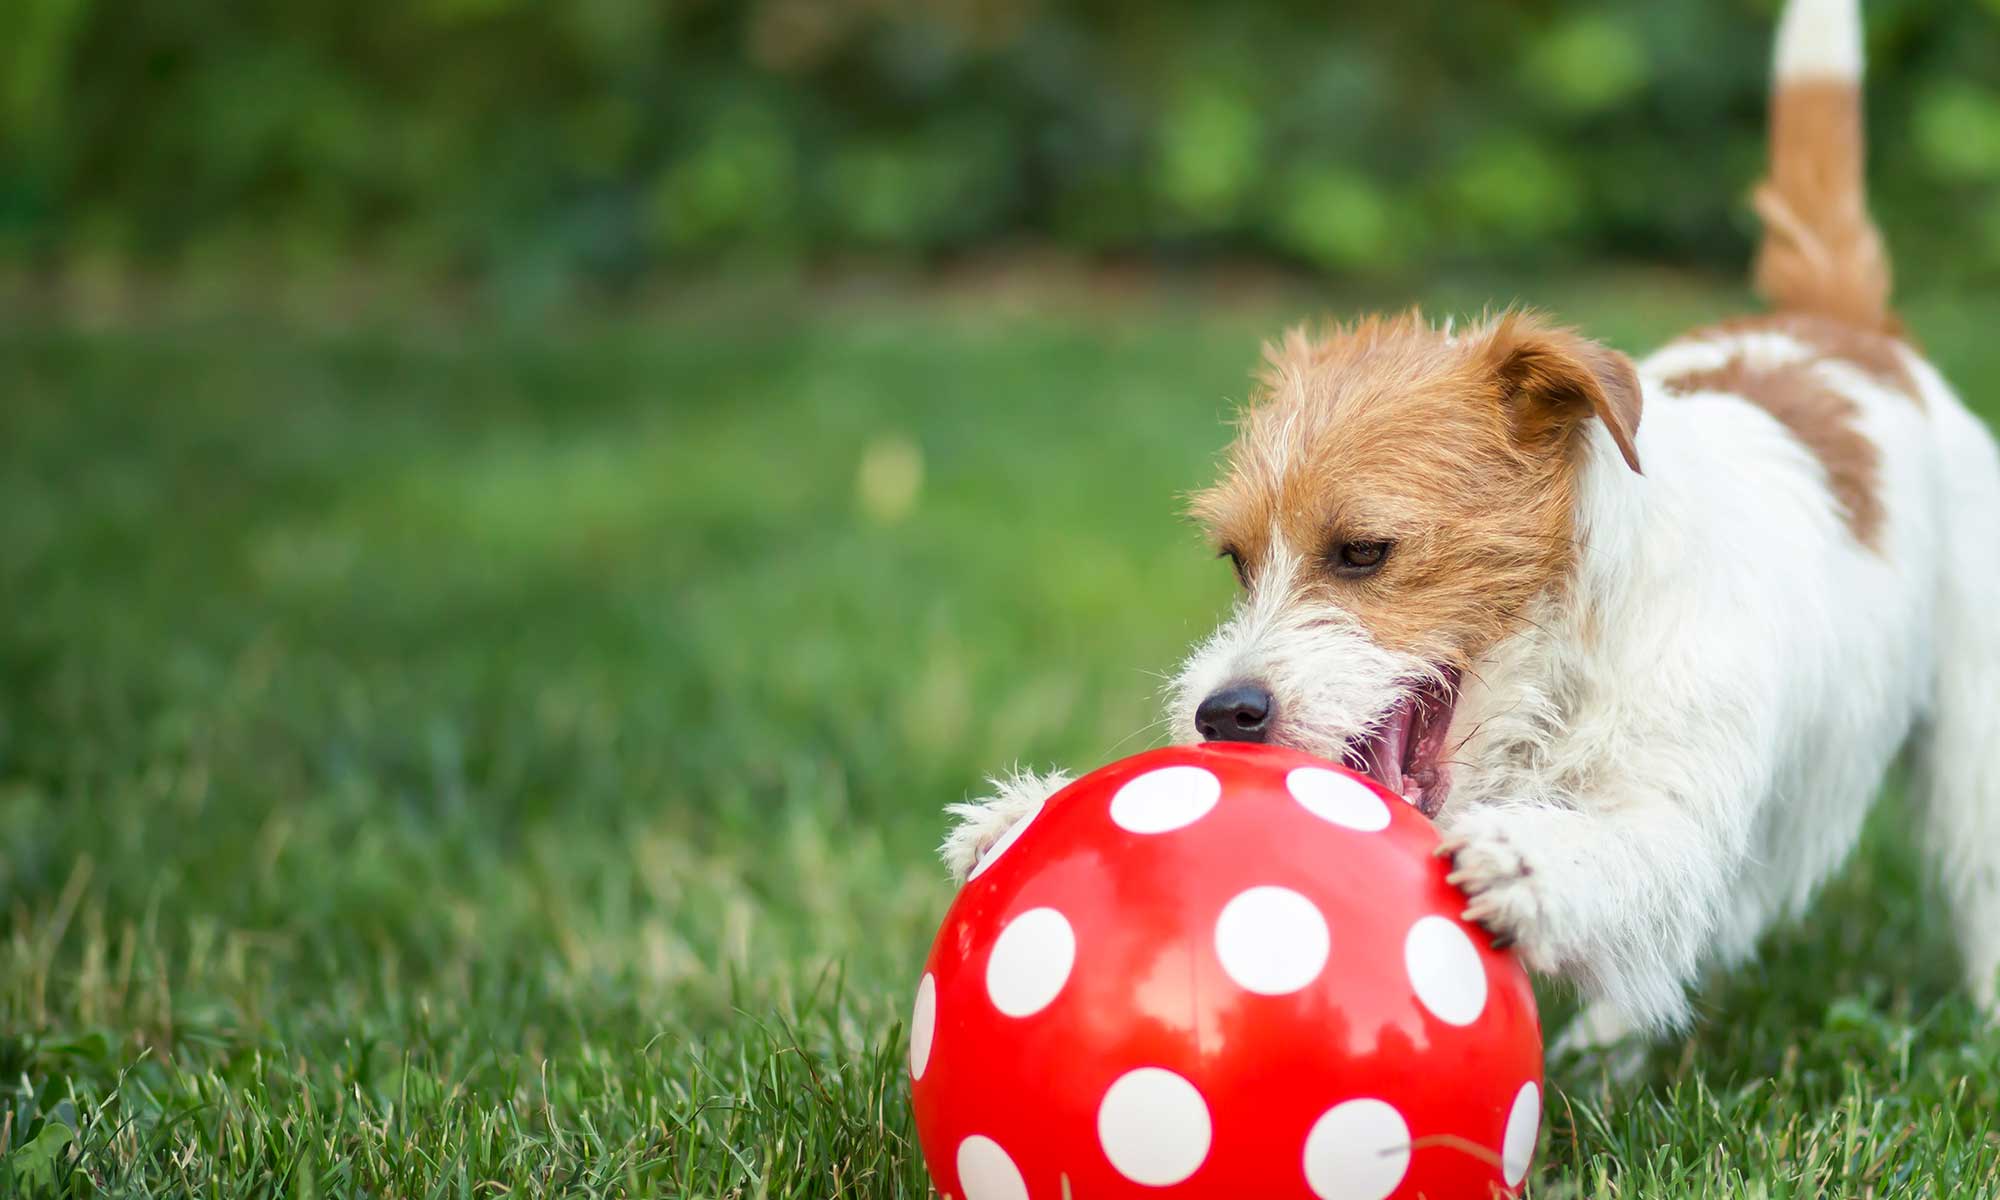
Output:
(1407, 753)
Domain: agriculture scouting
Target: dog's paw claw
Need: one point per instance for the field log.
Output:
(1495, 879)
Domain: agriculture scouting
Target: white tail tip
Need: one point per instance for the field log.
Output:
(1819, 39)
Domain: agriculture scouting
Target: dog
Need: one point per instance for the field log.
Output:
(1641, 638)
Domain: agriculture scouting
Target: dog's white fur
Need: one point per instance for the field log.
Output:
(1334, 681)
(1818, 39)
(1677, 749)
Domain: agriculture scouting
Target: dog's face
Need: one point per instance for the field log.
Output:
(1396, 499)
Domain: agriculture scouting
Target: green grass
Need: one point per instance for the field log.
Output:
(474, 763)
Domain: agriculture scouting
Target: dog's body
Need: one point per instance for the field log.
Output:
(1648, 711)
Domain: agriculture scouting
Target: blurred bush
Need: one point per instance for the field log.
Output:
(525, 142)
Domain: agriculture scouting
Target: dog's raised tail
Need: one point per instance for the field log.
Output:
(1821, 253)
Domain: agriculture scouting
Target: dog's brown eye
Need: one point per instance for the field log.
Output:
(1235, 563)
(1355, 559)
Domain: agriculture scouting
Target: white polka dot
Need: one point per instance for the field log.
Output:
(1271, 940)
(1166, 799)
(1030, 962)
(1338, 798)
(1524, 1123)
(1357, 1150)
(1006, 840)
(1154, 1127)
(1445, 970)
(986, 1173)
(923, 1025)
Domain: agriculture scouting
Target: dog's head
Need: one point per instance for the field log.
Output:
(1396, 500)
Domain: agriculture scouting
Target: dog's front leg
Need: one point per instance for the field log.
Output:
(1623, 898)
(983, 822)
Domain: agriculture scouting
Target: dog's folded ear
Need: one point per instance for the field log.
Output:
(1554, 379)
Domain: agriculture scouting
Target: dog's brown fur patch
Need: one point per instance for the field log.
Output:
(1821, 418)
(1461, 451)
(1876, 355)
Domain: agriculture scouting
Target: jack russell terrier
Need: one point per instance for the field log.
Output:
(1642, 638)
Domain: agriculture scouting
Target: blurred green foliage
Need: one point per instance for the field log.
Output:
(525, 143)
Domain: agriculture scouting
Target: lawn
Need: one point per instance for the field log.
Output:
(438, 760)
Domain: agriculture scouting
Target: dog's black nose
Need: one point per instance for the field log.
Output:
(1240, 712)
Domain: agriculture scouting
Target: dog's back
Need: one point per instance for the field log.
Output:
(1873, 619)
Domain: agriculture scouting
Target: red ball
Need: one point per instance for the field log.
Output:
(1221, 971)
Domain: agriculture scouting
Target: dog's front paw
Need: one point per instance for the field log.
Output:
(1498, 879)
(982, 823)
